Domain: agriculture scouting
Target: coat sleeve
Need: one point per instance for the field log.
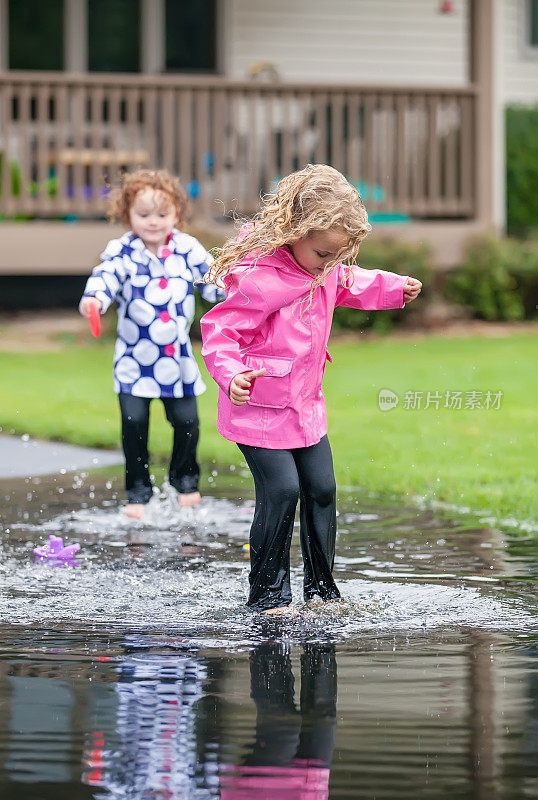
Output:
(108, 277)
(231, 325)
(371, 290)
(199, 260)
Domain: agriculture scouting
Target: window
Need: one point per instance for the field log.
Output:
(533, 23)
(190, 35)
(114, 35)
(36, 34)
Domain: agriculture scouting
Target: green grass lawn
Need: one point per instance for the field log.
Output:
(482, 458)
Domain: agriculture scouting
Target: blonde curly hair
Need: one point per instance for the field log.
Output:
(122, 197)
(316, 198)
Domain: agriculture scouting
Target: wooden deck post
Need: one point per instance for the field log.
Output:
(4, 39)
(76, 35)
(489, 157)
(153, 36)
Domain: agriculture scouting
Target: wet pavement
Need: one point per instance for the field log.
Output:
(21, 456)
(136, 672)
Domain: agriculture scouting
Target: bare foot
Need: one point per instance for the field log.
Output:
(192, 499)
(134, 510)
(289, 611)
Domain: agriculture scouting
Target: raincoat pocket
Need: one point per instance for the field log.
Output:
(273, 389)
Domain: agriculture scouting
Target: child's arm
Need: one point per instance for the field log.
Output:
(372, 289)
(229, 326)
(199, 260)
(106, 279)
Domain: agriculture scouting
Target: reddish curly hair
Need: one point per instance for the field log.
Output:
(122, 197)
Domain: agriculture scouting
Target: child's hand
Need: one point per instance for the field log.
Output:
(87, 303)
(240, 386)
(411, 289)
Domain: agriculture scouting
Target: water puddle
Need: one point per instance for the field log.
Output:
(136, 672)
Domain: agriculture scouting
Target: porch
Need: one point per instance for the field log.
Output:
(66, 137)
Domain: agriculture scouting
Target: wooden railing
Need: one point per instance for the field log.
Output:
(65, 137)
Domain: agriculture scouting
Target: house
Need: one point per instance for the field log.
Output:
(406, 97)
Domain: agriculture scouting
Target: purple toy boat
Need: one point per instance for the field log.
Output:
(55, 549)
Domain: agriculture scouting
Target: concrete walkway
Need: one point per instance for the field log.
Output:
(21, 456)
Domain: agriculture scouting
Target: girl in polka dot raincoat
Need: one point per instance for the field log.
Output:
(150, 272)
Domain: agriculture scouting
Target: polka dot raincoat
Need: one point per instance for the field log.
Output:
(155, 303)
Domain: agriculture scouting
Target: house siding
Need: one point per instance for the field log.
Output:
(519, 73)
(386, 42)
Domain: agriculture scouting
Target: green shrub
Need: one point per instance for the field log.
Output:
(405, 258)
(15, 175)
(498, 279)
(49, 186)
(525, 273)
(201, 307)
(521, 170)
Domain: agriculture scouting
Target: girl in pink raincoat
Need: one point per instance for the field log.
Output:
(266, 347)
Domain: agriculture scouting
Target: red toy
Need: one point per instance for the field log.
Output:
(95, 321)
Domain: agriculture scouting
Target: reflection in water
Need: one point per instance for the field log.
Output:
(39, 705)
(292, 750)
(155, 748)
(127, 677)
(483, 719)
(531, 733)
(453, 717)
(158, 748)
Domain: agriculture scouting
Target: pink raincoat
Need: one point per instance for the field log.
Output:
(261, 324)
(307, 779)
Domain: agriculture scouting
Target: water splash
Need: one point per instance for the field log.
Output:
(184, 570)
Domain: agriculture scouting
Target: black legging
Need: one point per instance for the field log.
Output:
(284, 733)
(184, 472)
(280, 477)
